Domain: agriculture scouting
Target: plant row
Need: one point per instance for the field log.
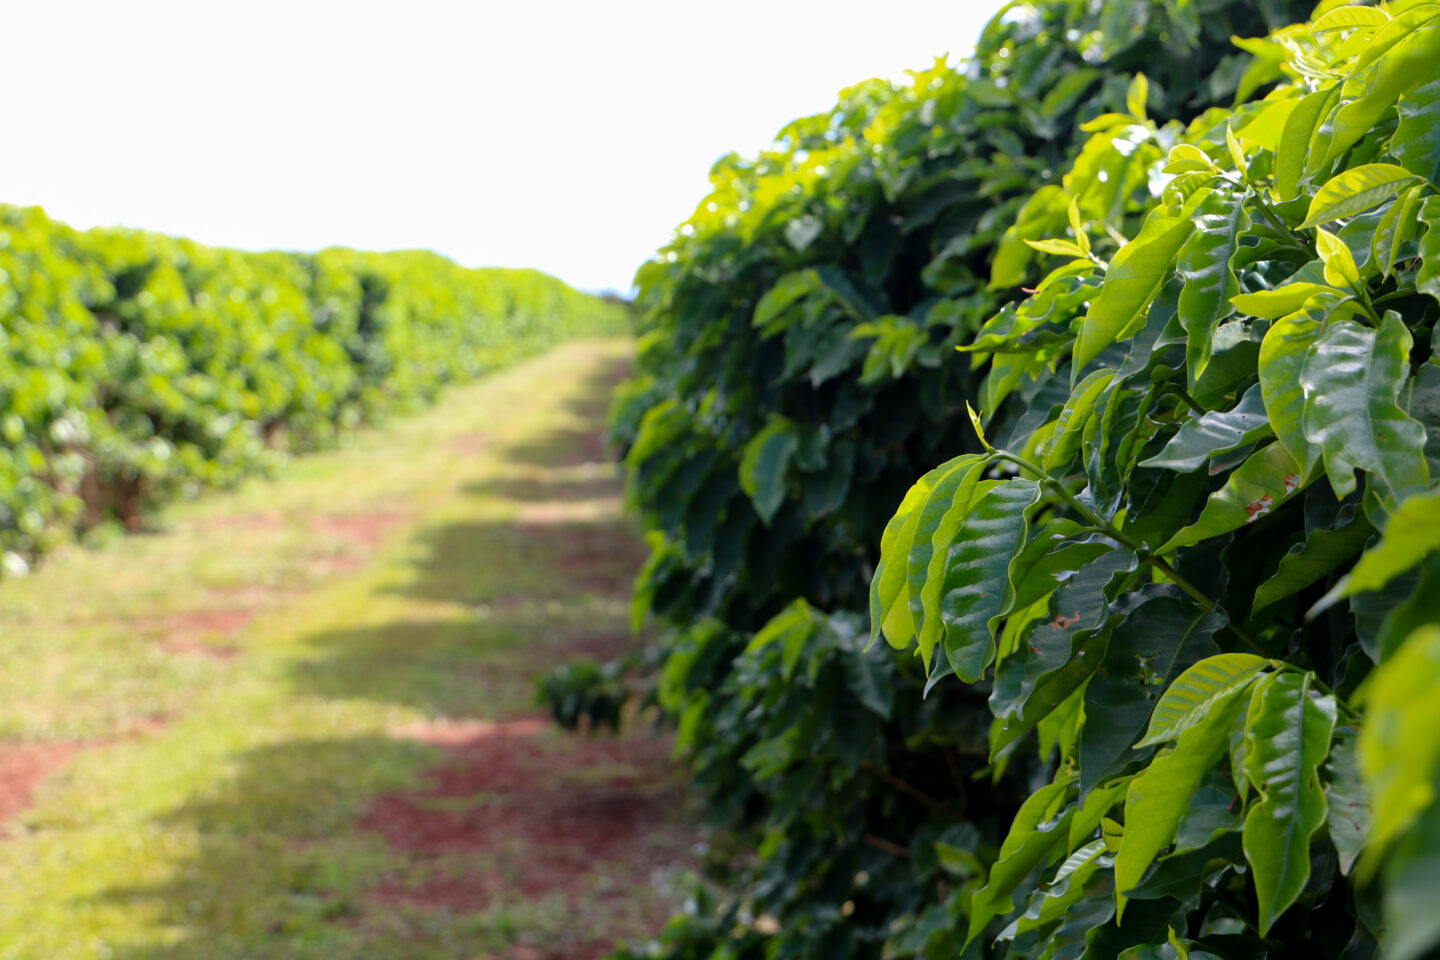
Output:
(137, 367)
(1141, 696)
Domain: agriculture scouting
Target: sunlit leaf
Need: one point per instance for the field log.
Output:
(1287, 740)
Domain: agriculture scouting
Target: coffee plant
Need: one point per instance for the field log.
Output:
(138, 366)
(796, 371)
(1207, 513)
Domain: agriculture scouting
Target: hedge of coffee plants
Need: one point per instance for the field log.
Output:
(137, 366)
(1160, 670)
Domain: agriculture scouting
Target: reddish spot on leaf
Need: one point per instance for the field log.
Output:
(1258, 508)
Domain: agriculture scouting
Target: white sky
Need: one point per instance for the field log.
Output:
(572, 137)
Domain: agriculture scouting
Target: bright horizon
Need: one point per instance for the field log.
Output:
(572, 138)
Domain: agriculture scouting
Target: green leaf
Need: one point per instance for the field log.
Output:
(1407, 64)
(764, 465)
(1412, 924)
(1287, 739)
(1412, 532)
(1395, 229)
(1357, 190)
(941, 516)
(1322, 552)
(1195, 693)
(1069, 426)
(1038, 827)
(1340, 268)
(1205, 263)
(1266, 479)
(1400, 741)
(1428, 279)
(1063, 890)
(1132, 280)
(1161, 794)
(1295, 143)
(889, 604)
(977, 560)
(1214, 432)
(869, 678)
(1352, 378)
(1347, 806)
(1282, 357)
(1062, 248)
(1416, 142)
(1136, 96)
(1350, 16)
(1280, 302)
(1156, 642)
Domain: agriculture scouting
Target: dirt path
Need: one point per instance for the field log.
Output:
(298, 721)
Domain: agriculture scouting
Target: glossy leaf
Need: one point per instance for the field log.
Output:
(1132, 280)
(1197, 691)
(1038, 828)
(1357, 190)
(976, 562)
(1287, 740)
(1282, 358)
(1352, 377)
(1214, 432)
(1266, 479)
(1205, 265)
(1158, 798)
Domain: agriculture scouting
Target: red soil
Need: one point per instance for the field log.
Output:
(24, 766)
(538, 815)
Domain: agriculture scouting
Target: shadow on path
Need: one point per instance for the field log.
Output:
(481, 832)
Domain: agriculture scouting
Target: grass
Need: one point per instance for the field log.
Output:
(244, 678)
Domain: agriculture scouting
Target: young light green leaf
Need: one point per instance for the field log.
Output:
(1340, 268)
(941, 515)
(1352, 378)
(1395, 229)
(889, 605)
(1186, 157)
(1412, 532)
(1237, 155)
(1196, 692)
(765, 464)
(1063, 248)
(1136, 96)
(1205, 264)
(1400, 741)
(1077, 225)
(1408, 63)
(1038, 826)
(976, 562)
(1161, 794)
(1288, 737)
(1355, 191)
(1134, 277)
(1069, 426)
(1281, 301)
(1428, 279)
(1295, 143)
(1342, 18)
(1266, 479)
(1282, 357)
